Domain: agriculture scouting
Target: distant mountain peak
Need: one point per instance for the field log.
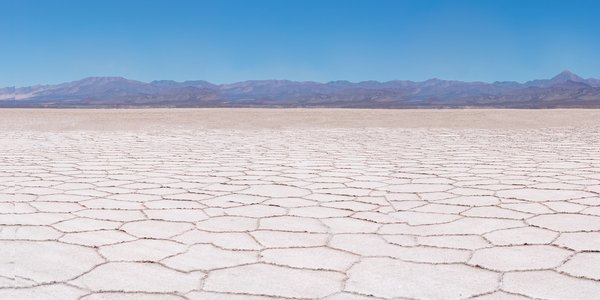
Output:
(567, 75)
(566, 72)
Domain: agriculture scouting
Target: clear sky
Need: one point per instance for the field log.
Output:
(226, 41)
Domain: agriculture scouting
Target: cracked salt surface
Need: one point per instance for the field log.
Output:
(312, 213)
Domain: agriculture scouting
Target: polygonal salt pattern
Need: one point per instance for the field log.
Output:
(301, 214)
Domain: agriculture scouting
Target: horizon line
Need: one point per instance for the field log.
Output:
(302, 81)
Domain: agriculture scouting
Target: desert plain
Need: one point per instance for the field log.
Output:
(299, 204)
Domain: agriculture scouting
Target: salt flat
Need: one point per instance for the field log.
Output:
(327, 204)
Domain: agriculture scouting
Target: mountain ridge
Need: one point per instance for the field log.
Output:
(566, 89)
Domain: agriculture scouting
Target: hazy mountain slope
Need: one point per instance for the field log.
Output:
(563, 90)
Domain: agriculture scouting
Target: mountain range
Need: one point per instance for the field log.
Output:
(563, 90)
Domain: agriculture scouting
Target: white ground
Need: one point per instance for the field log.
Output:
(331, 210)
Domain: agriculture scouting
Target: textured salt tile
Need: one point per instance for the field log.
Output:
(18, 197)
(284, 239)
(469, 242)
(226, 240)
(38, 233)
(38, 191)
(419, 218)
(521, 236)
(142, 250)
(57, 206)
(132, 296)
(289, 202)
(348, 296)
(155, 229)
(182, 215)
(228, 224)
(353, 192)
(417, 188)
(120, 215)
(400, 240)
(208, 257)
(33, 219)
(111, 204)
(349, 225)
(470, 201)
(319, 212)
(579, 241)
(567, 222)
(495, 212)
(543, 194)
(319, 258)
(292, 223)
(591, 211)
(565, 207)
(223, 296)
(85, 224)
(373, 245)
(73, 186)
(463, 191)
(583, 265)
(460, 226)
(389, 278)
(365, 184)
(96, 238)
(519, 258)
(134, 197)
(500, 296)
(162, 191)
(375, 217)
(42, 292)
(138, 277)
(46, 262)
(262, 279)
(528, 207)
(549, 285)
(351, 205)
(272, 190)
(256, 211)
(441, 208)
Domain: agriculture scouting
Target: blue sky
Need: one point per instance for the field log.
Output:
(226, 41)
